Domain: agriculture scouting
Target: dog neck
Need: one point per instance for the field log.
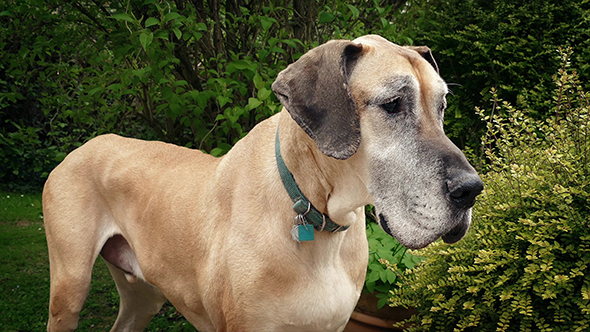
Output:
(335, 187)
(306, 211)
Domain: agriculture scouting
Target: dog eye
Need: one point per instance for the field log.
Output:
(391, 107)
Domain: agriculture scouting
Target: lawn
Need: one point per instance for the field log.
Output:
(24, 276)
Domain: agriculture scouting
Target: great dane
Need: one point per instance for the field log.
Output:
(222, 239)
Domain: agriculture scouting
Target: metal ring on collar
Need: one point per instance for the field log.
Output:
(308, 208)
(323, 222)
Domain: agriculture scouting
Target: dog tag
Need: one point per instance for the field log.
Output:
(295, 232)
(305, 232)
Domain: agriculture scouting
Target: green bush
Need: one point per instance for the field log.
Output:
(387, 257)
(525, 264)
(197, 74)
(508, 45)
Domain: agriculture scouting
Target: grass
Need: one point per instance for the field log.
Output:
(24, 276)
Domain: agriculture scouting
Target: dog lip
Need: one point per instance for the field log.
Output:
(384, 224)
(410, 245)
(455, 234)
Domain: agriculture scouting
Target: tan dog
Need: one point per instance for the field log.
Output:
(213, 235)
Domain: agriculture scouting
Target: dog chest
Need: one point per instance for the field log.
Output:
(323, 304)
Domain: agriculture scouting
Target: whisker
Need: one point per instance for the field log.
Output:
(452, 84)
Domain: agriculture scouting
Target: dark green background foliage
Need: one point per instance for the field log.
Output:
(507, 45)
(525, 265)
(386, 258)
(192, 73)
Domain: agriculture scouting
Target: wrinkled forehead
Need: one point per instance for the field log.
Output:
(386, 66)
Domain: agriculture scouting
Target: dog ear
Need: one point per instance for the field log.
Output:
(315, 91)
(425, 52)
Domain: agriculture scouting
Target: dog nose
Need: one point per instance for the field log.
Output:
(462, 191)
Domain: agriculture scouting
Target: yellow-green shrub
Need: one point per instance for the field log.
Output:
(525, 265)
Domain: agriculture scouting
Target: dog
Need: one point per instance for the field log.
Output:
(270, 237)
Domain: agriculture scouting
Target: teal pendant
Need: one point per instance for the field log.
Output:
(306, 232)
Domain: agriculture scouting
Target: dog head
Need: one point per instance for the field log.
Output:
(390, 100)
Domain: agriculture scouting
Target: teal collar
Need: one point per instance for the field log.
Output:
(302, 205)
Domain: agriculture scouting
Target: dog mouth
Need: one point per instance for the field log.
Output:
(422, 236)
(456, 233)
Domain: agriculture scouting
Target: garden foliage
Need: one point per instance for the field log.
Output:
(193, 73)
(525, 264)
(387, 257)
(508, 45)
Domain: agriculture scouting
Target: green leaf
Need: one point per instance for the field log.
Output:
(267, 22)
(253, 103)
(197, 35)
(140, 72)
(162, 106)
(95, 90)
(383, 288)
(171, 16)
(264, 93)
(326, 17)
(203, 97)
(177, 33)
(146, 39)
(373, 276)
(129, 92)
(289, 42)
(194, 94)
(278, 50)
(373, 243)
(216, 152)
(151, 21)
(391, 277)
(223, 100)
(115, 86)
(376, 267)
(381, 302)
(162, 34)
(370, 286)
(458, 114)
(354, 10)
(122, 17)
(258, 82)
(243, 64)
(60, 156)
(175, 110)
